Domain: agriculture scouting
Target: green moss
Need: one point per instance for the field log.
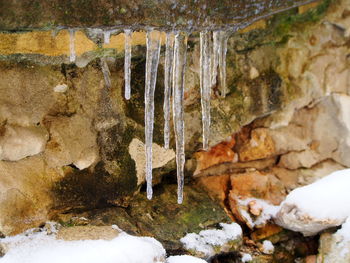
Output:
(283, 24)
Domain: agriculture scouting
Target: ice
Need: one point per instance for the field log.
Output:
(127, 62)
(106, 73)
(168, 70)
(72, 55)
(106, 36)
(179, 69)
(152, 60)
(222, 50)
(205, 83)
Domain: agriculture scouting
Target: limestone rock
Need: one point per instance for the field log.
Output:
(220, 153)
(258, 185)
(260, 146)
(161, 156)
(335, 247)
(19, 142)
(24, 193)
(216, 185)
(72, 141)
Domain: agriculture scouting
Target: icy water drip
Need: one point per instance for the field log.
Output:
(72, 55)
(222, 38)
(179, 69)
(168, 71)
(106, 73)
(106, 37)
(127, 63)
(205, 83)
(152, 60)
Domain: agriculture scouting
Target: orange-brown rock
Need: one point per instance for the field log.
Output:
(220, 153)
(265, 232)
(258, 185)
(259, 146)
(217, 186)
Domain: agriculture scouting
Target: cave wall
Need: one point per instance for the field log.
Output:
(69, 141)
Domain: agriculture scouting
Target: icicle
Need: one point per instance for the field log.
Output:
(106, 73)
(205, 83)
(152, 59)
(72, 55)
(127, 62)
(168, 67)
(222, 48)
(179, 68)
(215, 57)
(106, 36)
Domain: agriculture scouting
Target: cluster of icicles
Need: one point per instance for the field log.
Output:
(213, 48)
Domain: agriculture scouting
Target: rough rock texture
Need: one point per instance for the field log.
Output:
(38, 13)
(92, 129)
(87, 233)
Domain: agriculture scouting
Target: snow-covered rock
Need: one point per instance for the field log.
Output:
(318, 206)
(40, 247)
(211, 241)
(335, 247)
(267, 247)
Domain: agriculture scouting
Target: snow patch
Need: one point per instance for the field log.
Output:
(184, 259)
(267, 247)
(246, 257)
(318, 206)
(205, 241)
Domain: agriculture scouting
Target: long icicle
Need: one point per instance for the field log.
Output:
(106, 73)
(127, 63)
(205, 84)
(72, 55)
(223, 38)
(152, 60)
(179, 69)
(168, 70)
(215, 58)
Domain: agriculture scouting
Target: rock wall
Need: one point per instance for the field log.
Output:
(69, 142)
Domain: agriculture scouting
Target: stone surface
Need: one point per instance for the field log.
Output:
(220, 153)
(258, 185)
(25, 198)
(260, 146)
(72, 141)
(18, 142)
(39, 14)
(161, 157)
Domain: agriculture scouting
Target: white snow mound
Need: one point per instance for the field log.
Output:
(318, 206)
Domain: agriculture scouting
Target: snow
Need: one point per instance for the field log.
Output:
(246, 257)
(206, 239)
(39, 247)
(324, 200)
(184, 259)
(343, 238)
(267, 247)
(268, 211)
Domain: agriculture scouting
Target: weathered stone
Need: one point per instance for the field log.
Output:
(39, 14)
(334, 247)
(217, 186)
(25, 199)
(220, 153)
(258, 185)
(161, 157)
(19, 142)
(72, 141)
(260, 146)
